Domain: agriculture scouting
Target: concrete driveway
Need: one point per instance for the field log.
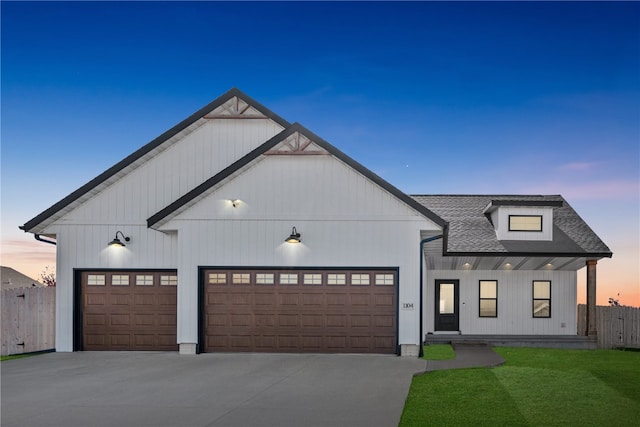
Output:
(167, 389)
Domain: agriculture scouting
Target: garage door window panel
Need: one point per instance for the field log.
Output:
(360, 279)
(265, 278)
(288, 278)
(338, 279)
(218, 278)
(144, 280)
(120, 280)
(384, 280)
(241, 278)
(312, 279)
(96, 280)
(168, 280)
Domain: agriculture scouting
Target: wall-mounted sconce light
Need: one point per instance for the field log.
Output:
(294, 237)
(118, 242)
(235, 202)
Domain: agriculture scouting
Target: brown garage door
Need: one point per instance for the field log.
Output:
(334, 311)
(129, 310)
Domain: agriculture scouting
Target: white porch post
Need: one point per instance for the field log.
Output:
(592, 329)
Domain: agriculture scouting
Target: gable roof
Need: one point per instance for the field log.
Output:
(130, 162)
(201, 190)
(470, 232)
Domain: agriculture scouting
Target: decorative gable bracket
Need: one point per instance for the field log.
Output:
(297, 144)
(235, 108)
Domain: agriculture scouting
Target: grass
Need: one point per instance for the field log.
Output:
(438, 352)
(20, 356)
(14, 356)
(535, 387)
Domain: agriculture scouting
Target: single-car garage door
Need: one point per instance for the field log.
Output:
(300, 310)
(129, 310)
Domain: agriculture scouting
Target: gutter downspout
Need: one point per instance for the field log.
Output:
(422, 243)
(40, 239)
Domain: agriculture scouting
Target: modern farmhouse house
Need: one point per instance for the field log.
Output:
(238, 231)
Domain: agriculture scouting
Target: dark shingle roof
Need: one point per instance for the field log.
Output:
(471, 232)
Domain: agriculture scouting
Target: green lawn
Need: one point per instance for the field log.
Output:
(535, 387)
(15, 356)
(438, 352)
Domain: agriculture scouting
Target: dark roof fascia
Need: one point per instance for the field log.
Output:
(531, 254)
(545, 203)
(149, 147)
(271, 143)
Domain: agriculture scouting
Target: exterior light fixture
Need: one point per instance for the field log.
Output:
(118, 242)
(235, 202)
(294, 237)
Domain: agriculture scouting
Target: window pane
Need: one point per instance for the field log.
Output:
(144, 280)
(488, 289)
(120, 280)
(240, 278)
(488, 308)
(312, 279)
(264, 278)
(384, 279)
(447, 298)
(169, 280)
(95, 280)
(336, 279)
(542, 290)
(525, 222)
(217, 278)
(541, 308)
(360, 279)
(288, 278)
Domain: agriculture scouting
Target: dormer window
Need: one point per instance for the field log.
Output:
(522, 219)
(525, 222)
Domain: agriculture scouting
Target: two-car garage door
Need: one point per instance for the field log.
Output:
(300, 310)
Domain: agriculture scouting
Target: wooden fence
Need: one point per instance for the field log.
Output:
(617, 326)
(28, 320)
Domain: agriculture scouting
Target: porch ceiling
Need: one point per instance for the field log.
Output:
(435, 260)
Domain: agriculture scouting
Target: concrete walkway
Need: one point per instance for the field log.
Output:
(138, 389)
(468, 356)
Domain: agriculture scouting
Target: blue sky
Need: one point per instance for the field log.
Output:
(462, 98)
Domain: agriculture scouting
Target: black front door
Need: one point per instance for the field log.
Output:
(447, 318)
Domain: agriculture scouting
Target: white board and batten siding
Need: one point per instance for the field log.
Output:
(345, 221)
(515, 302)
(83, 234)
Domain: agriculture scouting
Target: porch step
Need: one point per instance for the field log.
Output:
(545, 341)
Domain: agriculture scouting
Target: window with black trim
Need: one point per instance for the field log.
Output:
(488, 298)
(541, 298)
(525, 222)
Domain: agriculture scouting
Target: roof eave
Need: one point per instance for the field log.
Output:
(531, 254)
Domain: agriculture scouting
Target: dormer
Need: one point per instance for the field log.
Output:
(522, 219)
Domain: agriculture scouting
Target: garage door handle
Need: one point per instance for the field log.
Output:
(22, 344)
(20, 296)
